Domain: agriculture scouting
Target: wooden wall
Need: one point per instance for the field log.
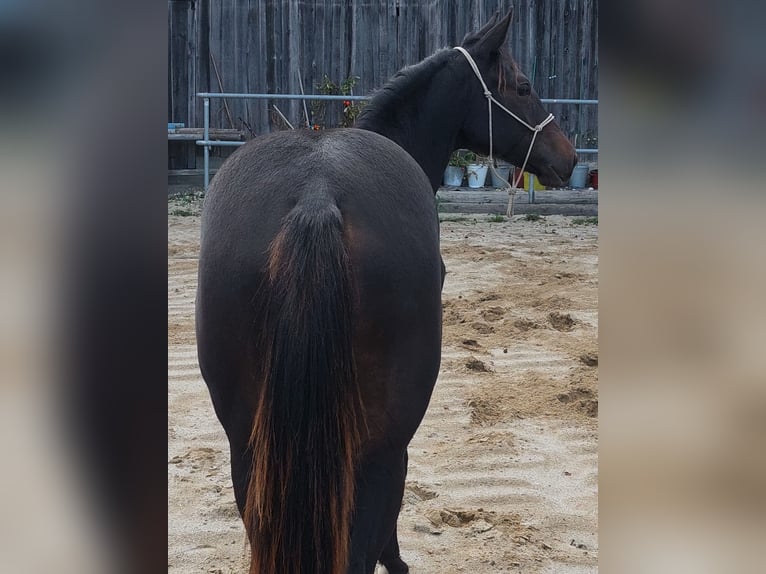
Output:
(264, 45)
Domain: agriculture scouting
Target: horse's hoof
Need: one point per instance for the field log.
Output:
(396, 566)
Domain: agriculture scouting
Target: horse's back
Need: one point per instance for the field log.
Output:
(268, 176)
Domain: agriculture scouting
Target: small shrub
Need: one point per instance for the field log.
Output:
(457, 159)
(351, 109)
(183, 212)
(457, 219)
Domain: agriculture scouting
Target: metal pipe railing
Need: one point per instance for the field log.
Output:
(279, 96)
(342, 97)
(207, 143)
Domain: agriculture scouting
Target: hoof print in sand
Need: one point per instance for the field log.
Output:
(561, 322)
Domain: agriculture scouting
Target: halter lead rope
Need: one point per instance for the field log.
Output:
(535, 129)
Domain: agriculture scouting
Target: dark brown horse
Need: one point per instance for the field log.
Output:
(319, 302)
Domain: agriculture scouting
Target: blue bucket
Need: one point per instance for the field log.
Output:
(579, 176)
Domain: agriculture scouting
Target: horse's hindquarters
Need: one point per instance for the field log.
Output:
(385, 222)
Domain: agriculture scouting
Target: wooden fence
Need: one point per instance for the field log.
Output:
(272, 46)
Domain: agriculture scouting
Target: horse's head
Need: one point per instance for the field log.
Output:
(552, 157)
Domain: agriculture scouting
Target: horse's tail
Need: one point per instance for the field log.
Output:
(306, 429)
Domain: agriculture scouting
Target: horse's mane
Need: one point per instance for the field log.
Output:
(404, 83)
(400, 87)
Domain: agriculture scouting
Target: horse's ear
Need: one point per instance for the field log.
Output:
(473, 37)
(495, 37)
(492, 21)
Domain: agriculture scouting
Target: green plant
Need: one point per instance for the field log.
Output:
(533, 217)
(455, 219)
(457, 159)
(351, 109)
(589, 139)
(585, 220)
(476, 159)
(497, 218)
(192, 197)
(186, 204)
(183, 212)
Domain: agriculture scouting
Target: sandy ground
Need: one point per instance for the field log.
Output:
(503, 470)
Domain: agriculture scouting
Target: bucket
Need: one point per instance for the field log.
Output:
(579, 176)
(504, 172)
(477, 173)
(594, 178)
(524, 183)
(453, 175)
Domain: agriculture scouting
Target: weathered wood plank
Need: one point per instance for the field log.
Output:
(555, 209)
(215, 134)
(545, 196)
(202, 80)
(472, 208)
(179, 64)
(520, 209)
(260, 45)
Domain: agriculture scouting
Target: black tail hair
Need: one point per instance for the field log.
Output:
(306, 430)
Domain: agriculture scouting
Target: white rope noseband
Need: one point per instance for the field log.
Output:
(490, 99)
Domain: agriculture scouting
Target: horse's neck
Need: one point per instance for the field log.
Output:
(426, 124)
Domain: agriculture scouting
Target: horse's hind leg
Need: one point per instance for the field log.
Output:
(379, 491)
(241, 461)
(236, 420)
(390, 557)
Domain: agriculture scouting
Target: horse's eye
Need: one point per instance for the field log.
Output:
(524, 90)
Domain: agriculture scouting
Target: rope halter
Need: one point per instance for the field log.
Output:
(490, 100)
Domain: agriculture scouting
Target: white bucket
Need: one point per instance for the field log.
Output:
(503, 171)
(453, 175)
(477, 174)
(579, 176)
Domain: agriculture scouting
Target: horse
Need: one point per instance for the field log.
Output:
(318, 310)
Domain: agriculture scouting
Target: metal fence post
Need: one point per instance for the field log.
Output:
(207, 139)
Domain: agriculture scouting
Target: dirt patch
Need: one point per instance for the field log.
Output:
(493, 313)
(525, 324)
(584, 400)
(181, 331)
(484, 411)
(575, 395)
(420, 491)
(490, 297)
(482, 328)
(195, 458)
(470, 344)
(474, 364)
(460, 518)
(561, 322)
(494, 438)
